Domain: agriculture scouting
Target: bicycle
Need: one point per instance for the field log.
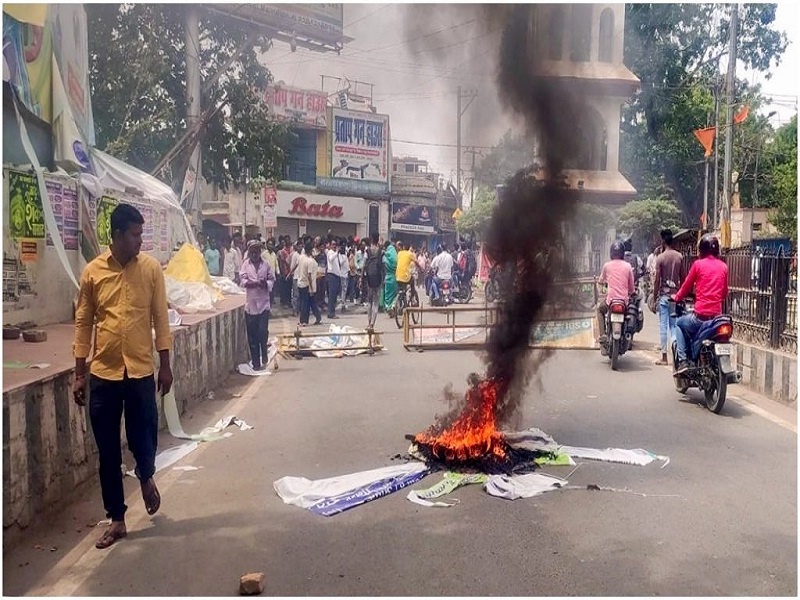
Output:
(406, 297)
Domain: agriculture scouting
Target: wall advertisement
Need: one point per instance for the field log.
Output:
(289, 104)
(298, 205)
(360, 147)
(64, 199)
(25, 211)
(105, 206)
(417, 218)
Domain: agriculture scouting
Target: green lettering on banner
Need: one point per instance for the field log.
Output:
(105, 206)
(25, 211)
(450, 482)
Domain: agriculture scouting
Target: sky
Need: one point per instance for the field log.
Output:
(416, 57)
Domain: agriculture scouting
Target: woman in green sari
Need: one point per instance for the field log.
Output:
(390, 280)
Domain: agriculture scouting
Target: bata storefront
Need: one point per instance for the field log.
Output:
(301, 213)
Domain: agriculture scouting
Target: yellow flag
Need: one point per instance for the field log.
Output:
(457, 214)
(35, 14)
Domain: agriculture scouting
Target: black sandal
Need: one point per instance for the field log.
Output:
(152, 500)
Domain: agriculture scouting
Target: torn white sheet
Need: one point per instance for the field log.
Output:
(305, 493)
(447, 503)
(638, 456)
(247, 369)
(336, 346)
(533, 439)
(170, 456)
(186, 468)
(209, 434)
(522, 486)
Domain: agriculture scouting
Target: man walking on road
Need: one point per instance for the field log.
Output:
(126, 293)
(333, 277)
(374, 273)
(257, 279)
(667, 279)
(306, 274)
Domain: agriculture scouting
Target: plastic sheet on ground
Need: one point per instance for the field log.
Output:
(306, 493)
(450, 481)
(227, 286)
(247, 368)
(528, 485)
(167, 458)
(191, 296)
(209, 434)
(336, 346)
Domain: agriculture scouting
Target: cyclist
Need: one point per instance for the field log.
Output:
(405, 263)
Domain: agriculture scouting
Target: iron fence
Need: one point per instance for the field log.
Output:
(762, 296)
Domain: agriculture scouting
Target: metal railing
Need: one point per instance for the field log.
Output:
(762, 296)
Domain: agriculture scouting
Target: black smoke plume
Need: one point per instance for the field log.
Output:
(527, 232)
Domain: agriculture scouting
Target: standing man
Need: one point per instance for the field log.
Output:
(257, 279)
(332, 277)
(125, 293)
(667, 279)
(284, 256)
(212, 257)
(374, 272)
(306, 277)
(271, 258)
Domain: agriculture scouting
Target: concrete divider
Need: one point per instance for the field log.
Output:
(49, 451)
(768, 372)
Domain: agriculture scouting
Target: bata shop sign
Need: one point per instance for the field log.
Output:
(316, 206)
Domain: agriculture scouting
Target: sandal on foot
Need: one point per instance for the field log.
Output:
(661, 363)
(109, 537)
(152, 500)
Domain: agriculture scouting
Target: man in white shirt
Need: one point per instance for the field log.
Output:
(294, 273)
(333, 277)
(442, 267)
(306, 278)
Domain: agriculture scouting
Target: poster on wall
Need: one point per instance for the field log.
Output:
(412, 217)
(28, 252)
(360, 146)
(164, 236)
(25, 213)
(64, 199)
(147, 229)
(105, 206)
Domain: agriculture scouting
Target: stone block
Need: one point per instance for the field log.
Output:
(251, 584)
(34, 336)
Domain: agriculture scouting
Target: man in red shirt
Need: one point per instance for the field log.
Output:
(709, 277)
(618, 273)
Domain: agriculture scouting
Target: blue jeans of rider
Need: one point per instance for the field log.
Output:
(666, 323)
(687, 327)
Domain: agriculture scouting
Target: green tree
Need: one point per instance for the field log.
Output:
(781, 179)
(138, 85)
(676, 51)
(644, 219)
(512, 153)
(475, 220)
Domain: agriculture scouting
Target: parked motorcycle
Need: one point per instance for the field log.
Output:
(709, 354)
(462, 291)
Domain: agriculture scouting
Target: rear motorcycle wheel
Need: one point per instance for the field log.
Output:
(491, 291)
(614, 354)
(715, 397)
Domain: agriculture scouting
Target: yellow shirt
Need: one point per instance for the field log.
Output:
(405, 258)
(126, 302)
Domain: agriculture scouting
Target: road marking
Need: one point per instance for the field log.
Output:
(70, 573)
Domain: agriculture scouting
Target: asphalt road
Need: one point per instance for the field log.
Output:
(731, 530)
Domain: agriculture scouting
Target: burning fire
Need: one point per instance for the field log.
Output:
(473, 434)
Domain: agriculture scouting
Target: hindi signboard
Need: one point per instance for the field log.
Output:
(289, 104)
(360, 146)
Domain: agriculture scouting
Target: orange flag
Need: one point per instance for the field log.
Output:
(706, 138)
(742, 114)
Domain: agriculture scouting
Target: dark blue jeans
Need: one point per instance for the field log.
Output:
(107, 401)
(307, 304)
(334, 288)
(257, 336)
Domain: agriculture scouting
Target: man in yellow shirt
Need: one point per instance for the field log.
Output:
(125, 293)
(405, 262)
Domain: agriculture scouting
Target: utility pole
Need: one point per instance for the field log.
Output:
(469, 96)
(715, 216)
(731, 88)
(705, 188)
(192, 52)
(472, 151)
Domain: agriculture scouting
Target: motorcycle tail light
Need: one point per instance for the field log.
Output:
(618, 308)
(725, 331)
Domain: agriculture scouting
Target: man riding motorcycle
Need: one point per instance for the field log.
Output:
(709, 278)
(441, 270)
(618, 274)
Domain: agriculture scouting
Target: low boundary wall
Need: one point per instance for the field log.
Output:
(48, 447)
(769, 372)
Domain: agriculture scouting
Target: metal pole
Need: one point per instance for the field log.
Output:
(458, 153)
(193, 109)
(705, 199)
(731, 89)
(715, 219)
(472, 187)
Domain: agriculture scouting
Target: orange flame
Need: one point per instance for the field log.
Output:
(474, 433)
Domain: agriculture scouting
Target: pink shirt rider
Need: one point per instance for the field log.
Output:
(619, 276)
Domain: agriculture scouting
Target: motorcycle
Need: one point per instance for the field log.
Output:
(445, 292)
(709, 355)
(462, 291)
(621, 324)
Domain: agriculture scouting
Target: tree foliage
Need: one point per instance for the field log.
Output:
(512, 153)
(475, 220)
(676, 50)
(644, 219)
(138, 85)
(782, 184)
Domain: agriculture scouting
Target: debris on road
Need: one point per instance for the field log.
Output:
(339, 341)
(209, 434)
(512, 487)
(251, 584)
(449, 482)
